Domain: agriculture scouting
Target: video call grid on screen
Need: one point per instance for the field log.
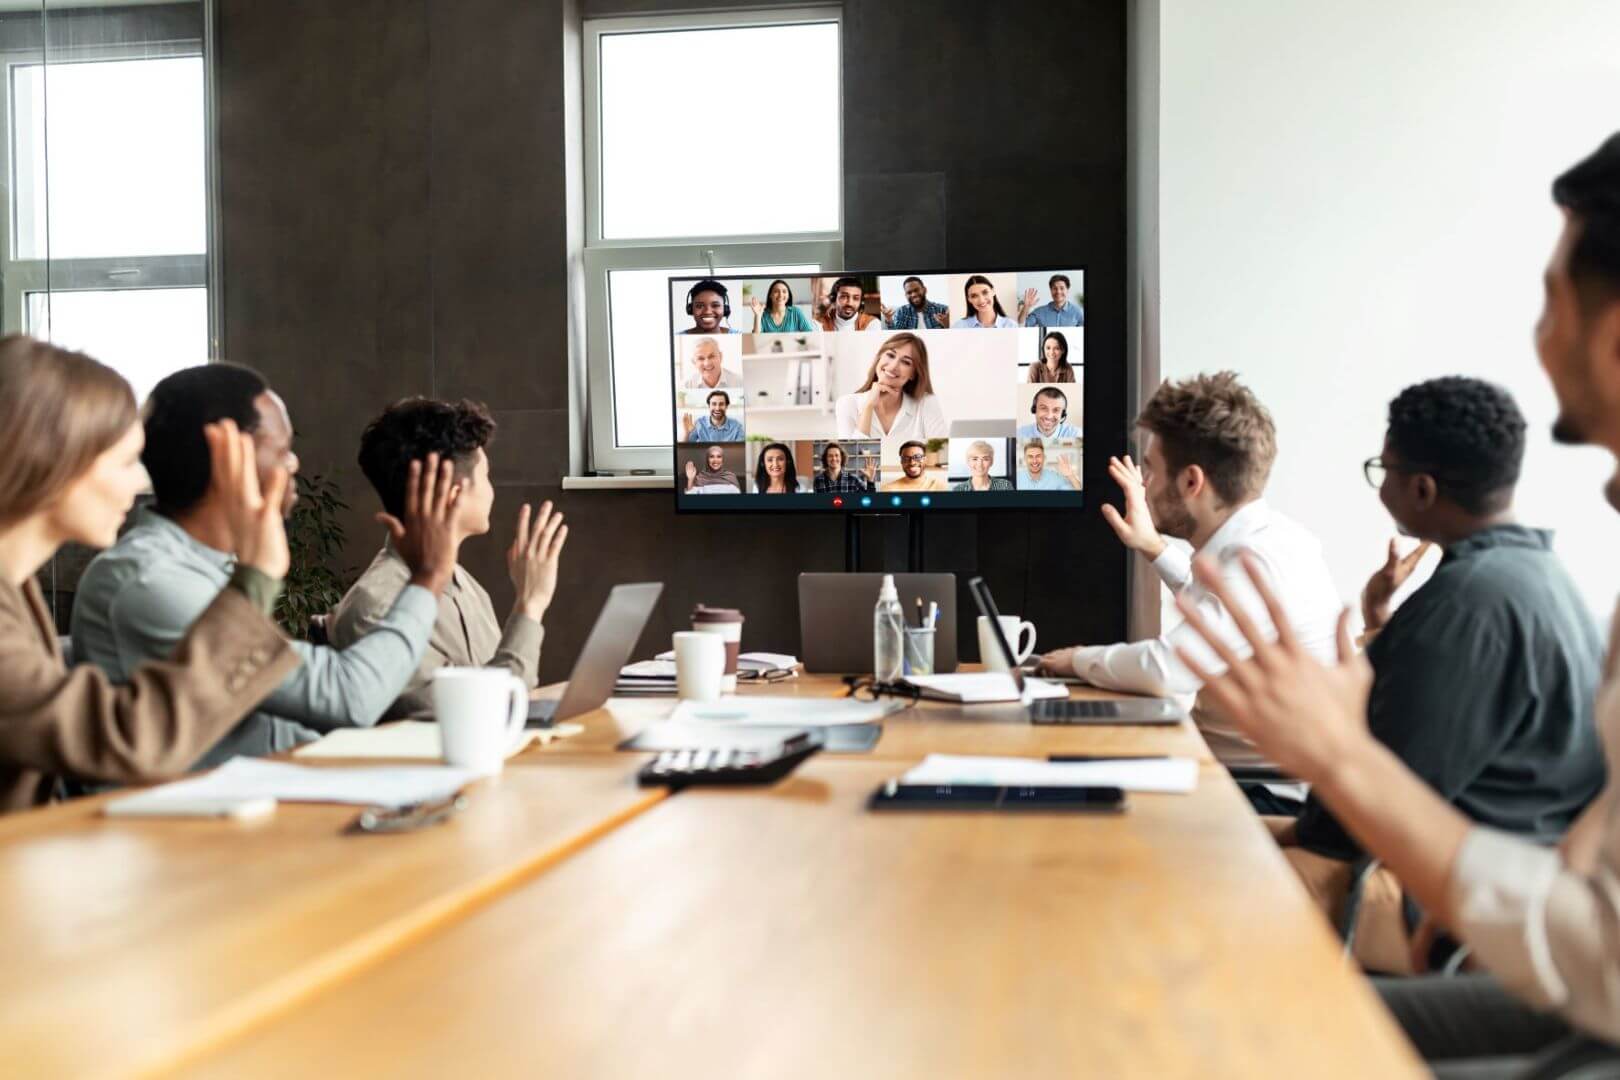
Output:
(879, 391)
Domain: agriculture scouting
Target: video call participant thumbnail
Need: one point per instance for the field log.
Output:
(1060, 312)
(1050, 408)
(715, 427)
(774, 474)
(918, 312)
(1053, 367)
(897, 399)
(981, 458)
(983, 308)
(844, 312)
(708, 368)
(833, 477)
(710, 306)
(776, 313)
(912, 456)
(1040, 474)
(714, 478)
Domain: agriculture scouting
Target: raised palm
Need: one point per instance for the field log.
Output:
(1135, 528)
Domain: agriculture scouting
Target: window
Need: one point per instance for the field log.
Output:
(108, 224)
(712, 143)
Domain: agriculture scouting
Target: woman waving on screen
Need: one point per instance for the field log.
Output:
(897, 399)
(776, 313)
(983, 309)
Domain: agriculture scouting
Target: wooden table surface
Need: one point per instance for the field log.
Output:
(791, 933)
(569, 919)
(144, 941)
(928, 727)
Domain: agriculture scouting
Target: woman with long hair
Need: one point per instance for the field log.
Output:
(774, 474)
(897, 400)
(1054, 365)
(776, 313)
(983, 308)
(71, 471)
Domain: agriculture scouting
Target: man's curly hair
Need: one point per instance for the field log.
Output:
(1466, 433)
(413, 428)
(1216, 423)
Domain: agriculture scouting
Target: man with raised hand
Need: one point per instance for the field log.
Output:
(1542, 922)
(1208, 446)
(137, 599)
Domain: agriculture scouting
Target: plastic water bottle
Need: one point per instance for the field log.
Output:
(888, 633)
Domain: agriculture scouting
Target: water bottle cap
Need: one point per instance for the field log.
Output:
(888, 591)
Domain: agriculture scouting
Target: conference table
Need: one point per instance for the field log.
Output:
(569, 922)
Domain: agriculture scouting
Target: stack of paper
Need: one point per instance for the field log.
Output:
(1175, 776)
(657, 676)
(412, 740)
(241, 779)
(983, 687)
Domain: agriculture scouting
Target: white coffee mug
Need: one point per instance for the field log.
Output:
(1012, 627)
(700, 665)
(481, 713)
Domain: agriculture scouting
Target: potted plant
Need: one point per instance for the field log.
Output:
(315, 541)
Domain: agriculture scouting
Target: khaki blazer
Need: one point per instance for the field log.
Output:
(56, 720)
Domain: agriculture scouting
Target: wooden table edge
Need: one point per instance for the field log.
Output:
(233, 1020)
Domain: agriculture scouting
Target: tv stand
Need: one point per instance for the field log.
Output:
(852, 541)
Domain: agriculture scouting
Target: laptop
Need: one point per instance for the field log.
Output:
(609, 646)
(1131, 711)
(835, 618)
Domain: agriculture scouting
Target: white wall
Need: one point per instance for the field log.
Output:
(1354, 197)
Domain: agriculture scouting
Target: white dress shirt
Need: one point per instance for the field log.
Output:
(924, 419)
(1551, 935)
(1291, 560)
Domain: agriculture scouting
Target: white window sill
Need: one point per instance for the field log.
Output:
(618, 483)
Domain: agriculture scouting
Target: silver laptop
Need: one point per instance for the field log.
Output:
(612, 640)
(1128, 711)
(835, 618)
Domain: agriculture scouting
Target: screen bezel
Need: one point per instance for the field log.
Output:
(880, 502)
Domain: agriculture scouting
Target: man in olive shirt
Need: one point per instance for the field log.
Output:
(466, 632)
(1483, 680)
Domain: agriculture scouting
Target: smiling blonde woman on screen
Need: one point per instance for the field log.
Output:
(897, 399)
(981, 458)
(70, 473)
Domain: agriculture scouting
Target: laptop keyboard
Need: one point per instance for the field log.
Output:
(1054, 711)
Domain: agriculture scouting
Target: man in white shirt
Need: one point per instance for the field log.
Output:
(1543, 923)
(1207, 451)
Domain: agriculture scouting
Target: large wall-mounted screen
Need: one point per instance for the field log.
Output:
(849, 391)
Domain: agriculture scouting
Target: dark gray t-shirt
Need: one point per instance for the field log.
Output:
(1483, 683)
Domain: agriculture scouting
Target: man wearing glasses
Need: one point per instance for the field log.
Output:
(912, 455)
(1483, 679)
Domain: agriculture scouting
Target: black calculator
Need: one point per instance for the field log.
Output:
(729, 764)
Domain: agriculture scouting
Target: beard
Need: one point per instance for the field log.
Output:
(1568, 431)
(1171, 517)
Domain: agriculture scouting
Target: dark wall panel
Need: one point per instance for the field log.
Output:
(394, 222)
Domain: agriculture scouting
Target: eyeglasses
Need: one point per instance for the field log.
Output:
(1374, 469)
(911, 457)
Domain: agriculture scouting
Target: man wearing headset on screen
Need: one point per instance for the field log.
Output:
(708, 303)
(844, 313)
(1050, 408)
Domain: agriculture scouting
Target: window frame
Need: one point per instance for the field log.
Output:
(21, 277)
(601, 256)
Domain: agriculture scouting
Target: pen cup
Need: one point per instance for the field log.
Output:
(919, 651)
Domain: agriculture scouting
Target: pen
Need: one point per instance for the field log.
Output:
(1106, 757)
(933, 614)
(920, 623)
